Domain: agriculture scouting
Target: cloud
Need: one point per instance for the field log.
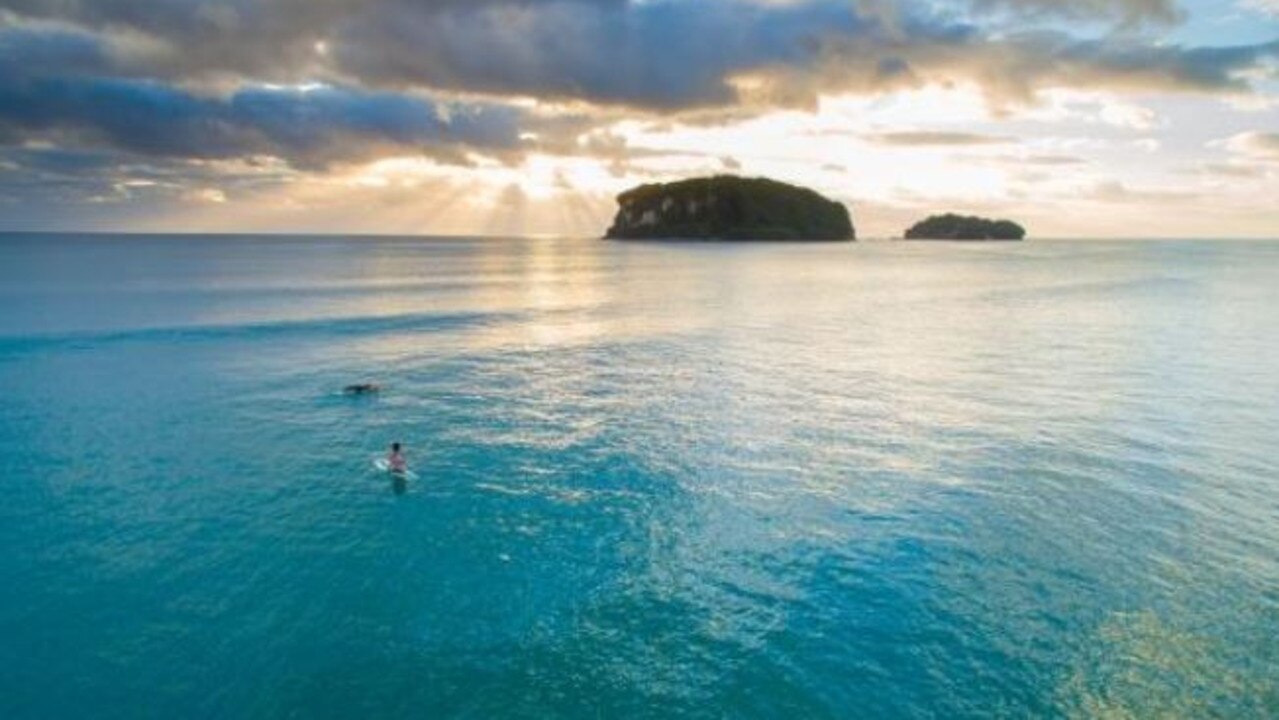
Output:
(651, 54)
(1113, 191)
(934, 138)
(38, 177)
(1126, 12)
(1127, 115)
(1233, 170)
(657, 55)
(311, 126)
(1268, 7)
(1254, 145)
(27, 51)
(661, 55)
(1015, 68)
(205, 195)
(1041, 160)
(1052, 160)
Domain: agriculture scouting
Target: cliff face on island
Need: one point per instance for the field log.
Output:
(729, 208)
(962, 227)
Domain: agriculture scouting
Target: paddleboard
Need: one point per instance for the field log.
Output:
(384, 466)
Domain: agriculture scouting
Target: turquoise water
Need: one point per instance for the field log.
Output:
(888, 480)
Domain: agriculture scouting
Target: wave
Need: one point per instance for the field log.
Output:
(1094, 288)
(342, 326)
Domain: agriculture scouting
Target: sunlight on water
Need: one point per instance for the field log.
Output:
(883, 480)
(1141, 666)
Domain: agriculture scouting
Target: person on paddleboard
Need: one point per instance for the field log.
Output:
(395, 461)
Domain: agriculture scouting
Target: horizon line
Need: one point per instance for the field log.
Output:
(549, 236)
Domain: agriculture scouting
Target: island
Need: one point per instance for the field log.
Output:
(963, 227)
(727, 207)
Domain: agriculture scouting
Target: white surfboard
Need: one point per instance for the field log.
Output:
(384, 466)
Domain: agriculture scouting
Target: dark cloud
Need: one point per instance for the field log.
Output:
(35, 179)
(50, 162)
(306, 126)
(1126, 12)
(664, 55)
(1156, 67)
(1013, 69)
(265, 40)
(27, 51)
(682, 55)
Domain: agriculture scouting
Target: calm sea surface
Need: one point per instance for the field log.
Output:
(687, 480)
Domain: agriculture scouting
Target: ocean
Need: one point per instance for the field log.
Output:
(898, 480)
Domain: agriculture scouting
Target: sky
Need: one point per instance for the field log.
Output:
(1079, 118)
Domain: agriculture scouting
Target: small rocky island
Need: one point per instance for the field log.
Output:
(962, 227)
(727, 207)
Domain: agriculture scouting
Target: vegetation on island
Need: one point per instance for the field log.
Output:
(964, 227)
(726, 207)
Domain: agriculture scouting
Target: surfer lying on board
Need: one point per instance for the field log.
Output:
(395, 461)
(361, 388)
